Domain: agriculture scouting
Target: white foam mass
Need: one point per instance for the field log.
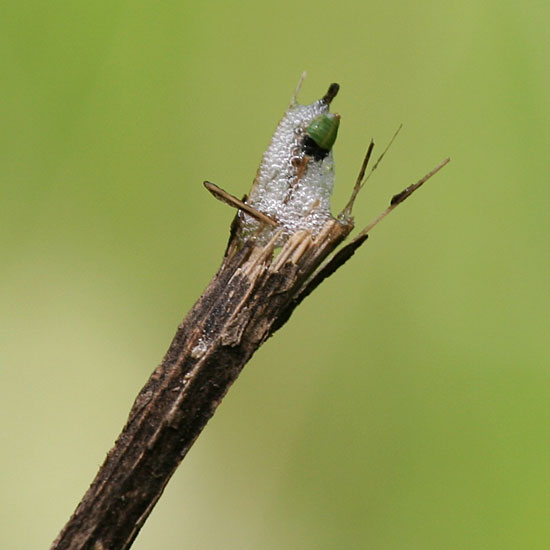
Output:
(296, 200)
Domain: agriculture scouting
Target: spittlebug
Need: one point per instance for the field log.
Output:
(320, 135)
(295, 179)
(293, 185)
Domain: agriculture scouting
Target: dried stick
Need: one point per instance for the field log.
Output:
(252, 295)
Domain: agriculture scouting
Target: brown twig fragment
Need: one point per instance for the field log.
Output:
(251, 296)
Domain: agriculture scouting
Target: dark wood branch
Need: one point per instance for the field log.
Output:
(252, 295)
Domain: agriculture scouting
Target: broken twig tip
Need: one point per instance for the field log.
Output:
(346, 212)
(331, 93)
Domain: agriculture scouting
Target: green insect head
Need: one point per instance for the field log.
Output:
(321, 134)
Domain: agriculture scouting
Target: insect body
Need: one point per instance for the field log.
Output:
(320, 135)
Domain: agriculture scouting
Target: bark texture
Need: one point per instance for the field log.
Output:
(253, 294)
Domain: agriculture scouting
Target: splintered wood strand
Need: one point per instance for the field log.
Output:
(400, 197)
(383, 154)
(363, 168)
(346, 212)
(233, 201)
(361, 179)
(403, 195)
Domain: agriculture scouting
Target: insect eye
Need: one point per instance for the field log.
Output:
(323, 130)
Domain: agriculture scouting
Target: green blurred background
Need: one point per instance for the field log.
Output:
(406, 404)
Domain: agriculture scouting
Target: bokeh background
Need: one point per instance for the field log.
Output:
(406, 404)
